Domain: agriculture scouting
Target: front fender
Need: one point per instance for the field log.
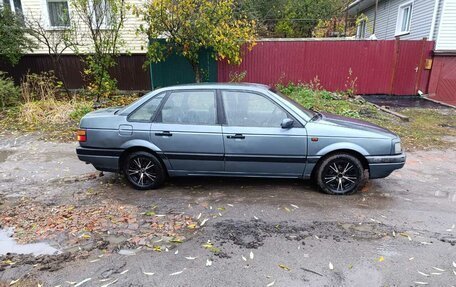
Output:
(340, 146)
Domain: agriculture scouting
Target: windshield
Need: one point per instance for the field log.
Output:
(308, 112)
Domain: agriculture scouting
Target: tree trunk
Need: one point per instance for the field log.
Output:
(197, 71)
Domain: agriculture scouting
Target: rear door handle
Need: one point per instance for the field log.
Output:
(236, 136)
(164, 134)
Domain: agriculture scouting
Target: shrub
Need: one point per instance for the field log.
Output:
(43, 86)
(9, 93)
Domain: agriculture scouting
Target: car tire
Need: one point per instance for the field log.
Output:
(340, 174)
(143, 170)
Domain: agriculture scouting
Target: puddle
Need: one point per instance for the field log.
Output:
(4, 154)
(403, 102)
(9, 245)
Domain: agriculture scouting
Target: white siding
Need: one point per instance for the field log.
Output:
(133, 42)
(387, 17)
(446, 38)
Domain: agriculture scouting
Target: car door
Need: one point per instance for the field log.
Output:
(187, 131)
(255, 142)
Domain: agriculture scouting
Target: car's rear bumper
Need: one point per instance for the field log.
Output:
(101, 159)
(382, 166)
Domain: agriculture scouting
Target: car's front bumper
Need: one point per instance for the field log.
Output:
(101, 159)
(382, 166)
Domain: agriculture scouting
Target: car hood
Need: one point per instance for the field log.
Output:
(356, 124)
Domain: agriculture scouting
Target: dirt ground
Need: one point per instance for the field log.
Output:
(399, 231)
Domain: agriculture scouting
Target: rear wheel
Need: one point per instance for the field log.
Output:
(340, 174)
(143, 170)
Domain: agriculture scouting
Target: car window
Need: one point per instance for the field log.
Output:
(190, 107)
(246, 109)
(146, 112)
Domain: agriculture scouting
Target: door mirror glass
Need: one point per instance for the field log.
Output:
(287, 124)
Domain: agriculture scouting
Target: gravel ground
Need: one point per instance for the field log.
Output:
(249, 232)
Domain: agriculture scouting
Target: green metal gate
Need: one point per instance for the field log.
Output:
(176, 70)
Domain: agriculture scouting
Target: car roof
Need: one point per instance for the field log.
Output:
(237, 86)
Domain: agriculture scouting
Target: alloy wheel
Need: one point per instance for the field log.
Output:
(142, 171)
(341, 175)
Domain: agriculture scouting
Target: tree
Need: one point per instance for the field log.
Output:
(190, 26)
(291, 18)
(103, 20)
(13, 36)
(56, 41)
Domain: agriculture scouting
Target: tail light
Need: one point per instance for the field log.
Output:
(81, 135)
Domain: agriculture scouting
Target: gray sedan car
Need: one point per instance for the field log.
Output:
(240, 130)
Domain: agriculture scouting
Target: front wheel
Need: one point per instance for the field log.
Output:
(340, 174)
(143, 170)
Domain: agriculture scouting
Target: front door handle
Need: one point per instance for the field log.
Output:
(236, 136)
(164, 134)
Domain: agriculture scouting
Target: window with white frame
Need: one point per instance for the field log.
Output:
(14, 5)
(58, 11)
(101, 13)
(404, 18)
(361, 30)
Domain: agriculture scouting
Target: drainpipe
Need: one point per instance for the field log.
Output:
(375, 17)
(434, 19)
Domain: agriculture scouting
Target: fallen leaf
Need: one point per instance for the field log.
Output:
(251, 255)
(271, 284)
(71, 282)
(243, 258)
(204, 221)
(191, 226)
(295, 206)
(454, 264)
(435, 273)
(82, 282)
(394, 233)
(284, 267)
(157, 248)
(177, 251)
(190, 258)
(208, 262)
(85, 236)
(421, 283)
(454, 271)
(287, 209)
(411, 258)
(148, 273)
(331, 266)
(177, 273)
(438, 269)
(14, 281)
(199, 216)
(424, 274)
(123, 272)
(110, 283)
(256, 218)
(93, 261)
(176, 241)
(230, 205)
(381, 259)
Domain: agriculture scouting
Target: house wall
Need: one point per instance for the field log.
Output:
(446, 38)
(387, 13)
(37, 10)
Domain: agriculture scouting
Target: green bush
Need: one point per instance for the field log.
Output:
(9, 93)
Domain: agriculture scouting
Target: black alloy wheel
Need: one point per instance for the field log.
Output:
(340, 174)
(143, 170)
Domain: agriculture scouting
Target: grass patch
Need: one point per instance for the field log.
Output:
(427, 128)
(56, 120)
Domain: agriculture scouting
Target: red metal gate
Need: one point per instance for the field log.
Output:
(442, 86)
(379, 67)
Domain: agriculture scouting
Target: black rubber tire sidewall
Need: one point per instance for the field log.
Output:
(355, 161)
(161, 175)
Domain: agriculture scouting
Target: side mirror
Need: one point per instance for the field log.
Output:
(287, 124)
